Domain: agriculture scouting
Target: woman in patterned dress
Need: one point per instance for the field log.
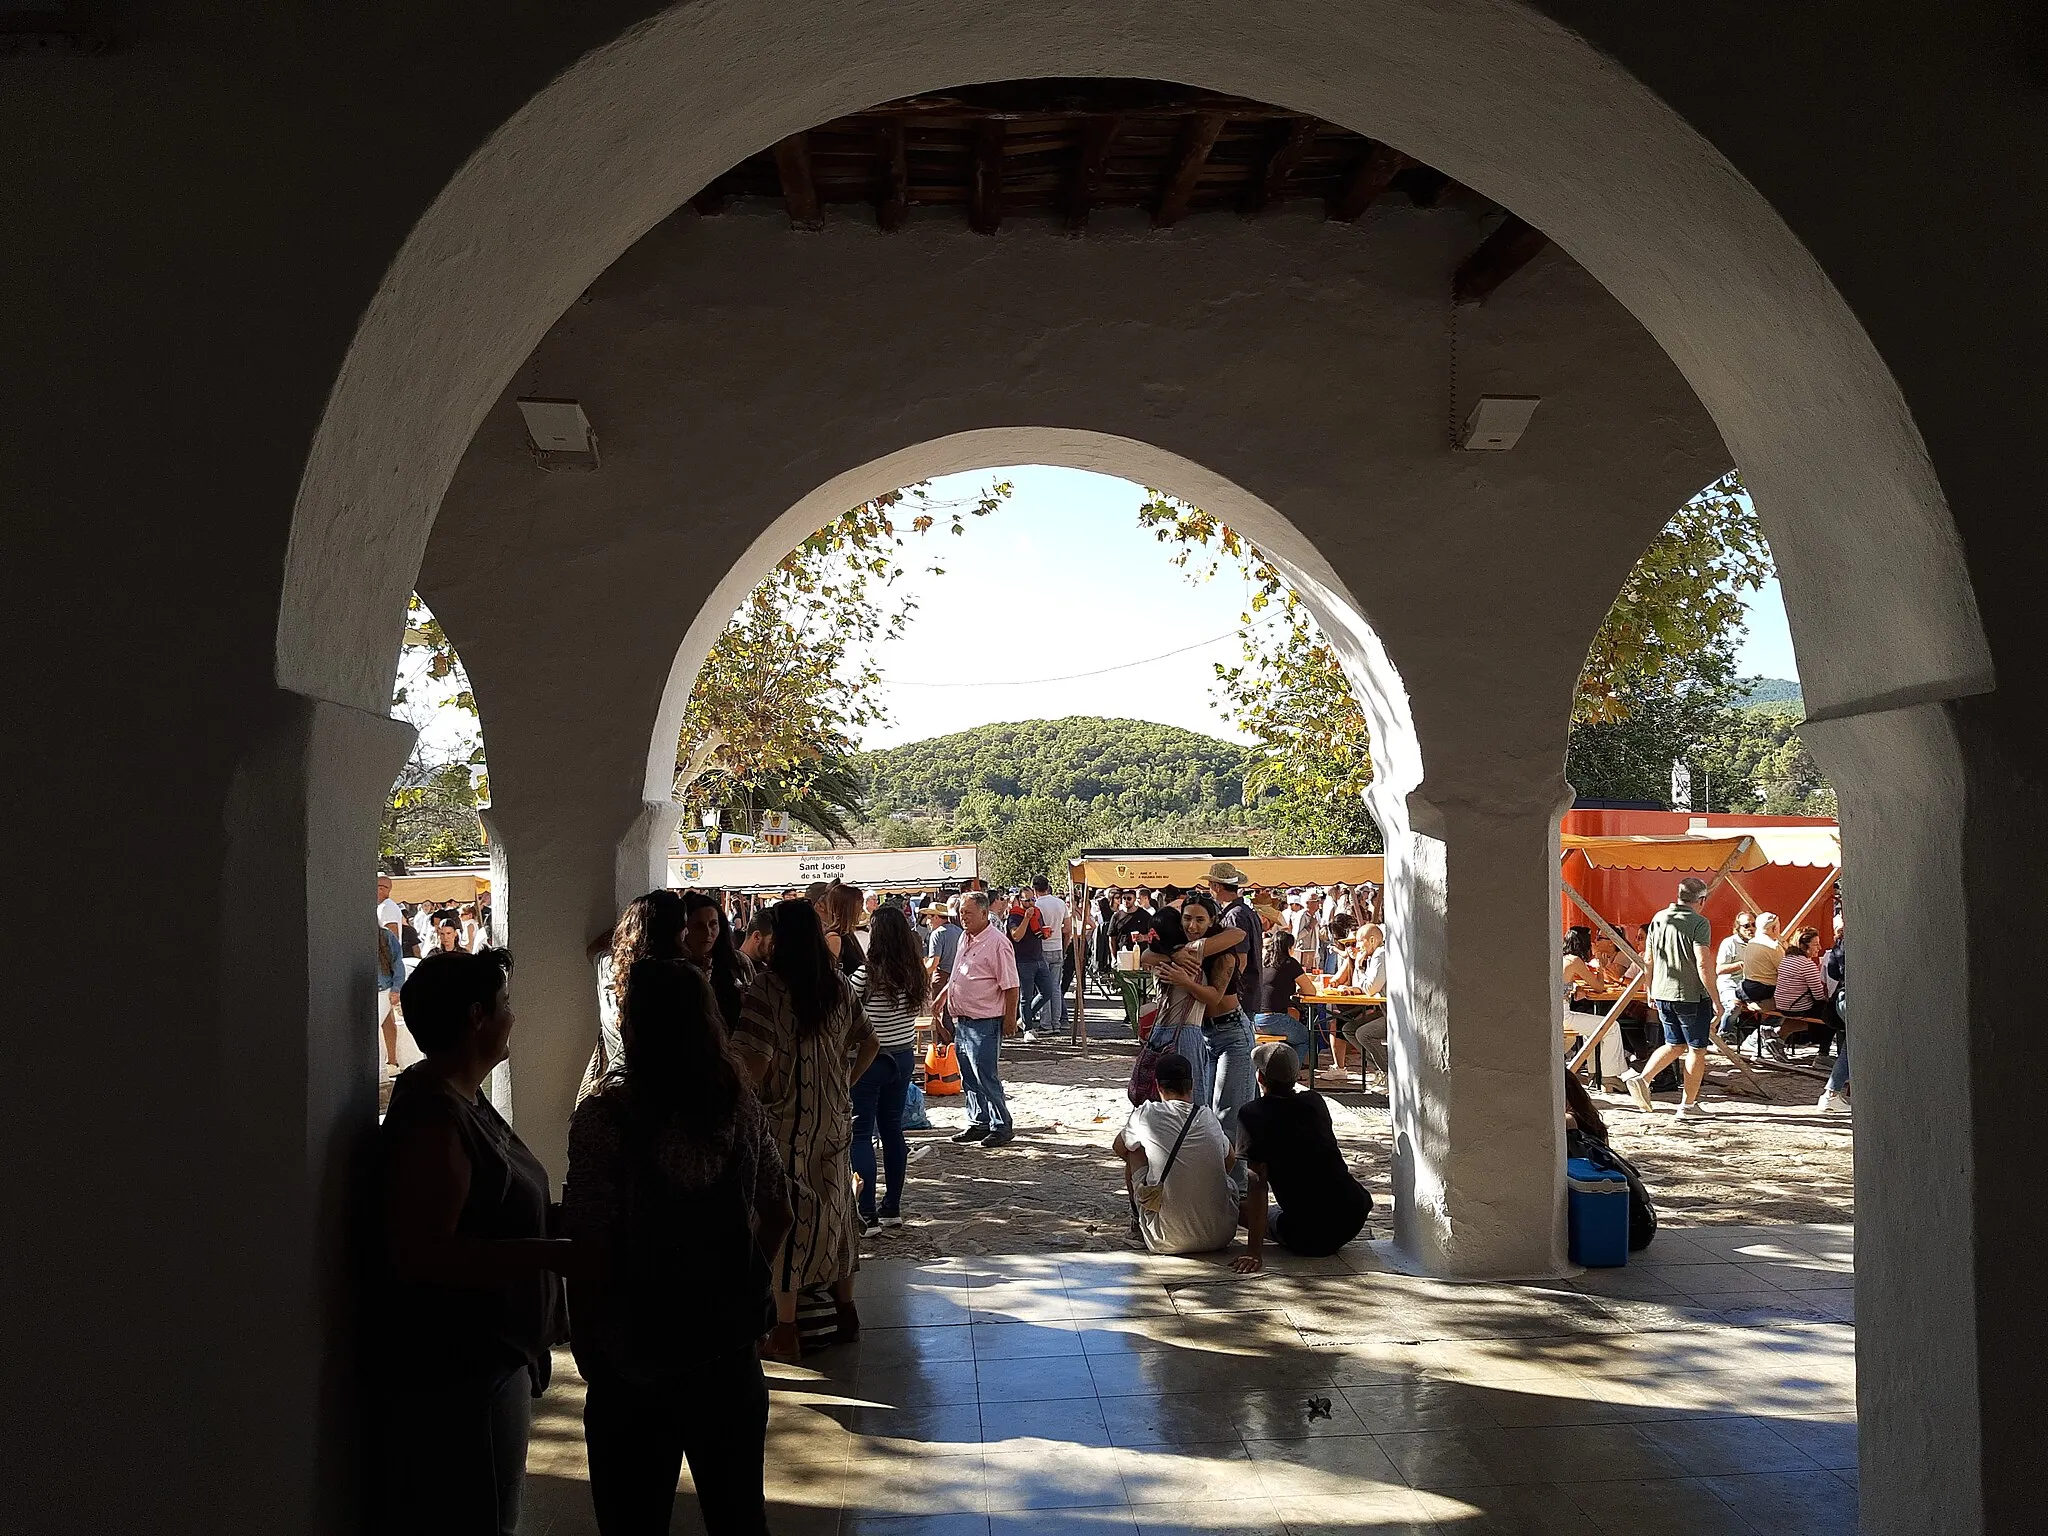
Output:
(805, 1041)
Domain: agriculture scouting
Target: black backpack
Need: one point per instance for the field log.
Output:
(685, 1280)
(1642, 1214)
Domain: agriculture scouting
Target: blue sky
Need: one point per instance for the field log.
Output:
(1063, 581)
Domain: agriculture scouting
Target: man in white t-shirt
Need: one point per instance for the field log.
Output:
(1197, 1203)
(389, 913)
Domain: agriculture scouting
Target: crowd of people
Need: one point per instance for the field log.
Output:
(722, 1167)
(406, 931)
(740, 1130)
(1755, 980)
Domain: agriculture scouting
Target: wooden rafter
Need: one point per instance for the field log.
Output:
(892, 201)
(1373, 174)
(1198, 136)
(1098, 137)
(799, 188)
(1286, 156)
(985, 210)
(1511, 247)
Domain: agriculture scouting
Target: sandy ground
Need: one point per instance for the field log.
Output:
(1744, 1162)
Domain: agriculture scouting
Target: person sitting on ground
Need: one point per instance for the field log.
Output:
(1761, 957)
(1803, 988)
(676, 1194)
(468, 1300)
(1177, 1164)
(1278, 988)
(1291, 1148)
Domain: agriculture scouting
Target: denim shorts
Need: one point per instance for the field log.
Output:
(1687, 1023)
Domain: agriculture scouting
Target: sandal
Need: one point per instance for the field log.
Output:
(783, 1343)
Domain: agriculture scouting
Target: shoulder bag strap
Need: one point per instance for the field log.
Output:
(1186, 1125)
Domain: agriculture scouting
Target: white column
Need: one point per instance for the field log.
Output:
(1475, 1060)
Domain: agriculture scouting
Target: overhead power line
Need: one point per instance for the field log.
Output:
(1072, 677)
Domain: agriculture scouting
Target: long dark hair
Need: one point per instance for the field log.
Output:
(1585, 1113)
(1168, 935)
(677, 1060)
(725, 960)
(896, 960)
(651, 928)
(1579, 941)
(805, 965)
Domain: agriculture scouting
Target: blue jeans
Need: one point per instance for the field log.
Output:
(1039, 983)
(1296, 1033)
(1230, 1082)
(1839, 1078)
(878, 1105)
(980, 1045)
(1687, 1024)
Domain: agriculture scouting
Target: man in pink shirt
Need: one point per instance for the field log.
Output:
(981, 996)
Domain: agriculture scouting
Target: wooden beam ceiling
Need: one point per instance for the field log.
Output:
(1198, 136)
(1373, 174)
(893, 201)
(1511, 247)
(799, 187)
(985, 213)
(1098, 138)
(1072, 148)
(1291, 150)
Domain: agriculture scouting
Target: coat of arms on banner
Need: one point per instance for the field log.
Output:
(732, 842)
(949, 863)
(696, 842)
(693, 869)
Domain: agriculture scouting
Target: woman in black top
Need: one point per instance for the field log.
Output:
(470, 1298)
(1291, 1147)
(676, 1192)
(707, 944)
(841, 914)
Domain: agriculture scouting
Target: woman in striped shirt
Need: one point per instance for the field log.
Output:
(893, 987)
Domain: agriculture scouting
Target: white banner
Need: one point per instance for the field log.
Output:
(883, 869)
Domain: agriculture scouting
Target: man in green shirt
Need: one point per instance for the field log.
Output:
(1676, 947)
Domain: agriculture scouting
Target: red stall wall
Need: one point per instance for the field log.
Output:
(1637, 895)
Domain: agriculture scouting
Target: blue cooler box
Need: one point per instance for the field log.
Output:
(1599, 1214)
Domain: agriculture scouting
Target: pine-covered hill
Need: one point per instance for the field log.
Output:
(1135, 768)
(1752, 691)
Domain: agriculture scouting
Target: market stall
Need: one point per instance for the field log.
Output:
(442, 887)
(883, 869)
(1122, 868)
(1727, 856)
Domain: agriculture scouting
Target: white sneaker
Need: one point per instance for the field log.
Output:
(1639, 1090)
(1683, 1111)
(1833, 1103)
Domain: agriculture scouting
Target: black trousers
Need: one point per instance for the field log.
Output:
(638, 1437)
(455, 1457)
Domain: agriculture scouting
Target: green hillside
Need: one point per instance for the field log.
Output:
(1752, 691)
(1131, 768)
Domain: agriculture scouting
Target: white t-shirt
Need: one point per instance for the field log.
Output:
(1372, 973)
(390, 914)
(1054, 911)
(1199, 1214)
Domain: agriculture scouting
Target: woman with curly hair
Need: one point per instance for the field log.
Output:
(799, 1026)
(651, 928)
(893, 988)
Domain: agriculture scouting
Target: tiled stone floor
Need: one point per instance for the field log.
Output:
(1708, 1388)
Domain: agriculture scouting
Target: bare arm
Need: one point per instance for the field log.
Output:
(1252, 1260)
(1703, 958)
(1010, 1010)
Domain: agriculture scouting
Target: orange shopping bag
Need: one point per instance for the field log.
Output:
(941, 1070)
